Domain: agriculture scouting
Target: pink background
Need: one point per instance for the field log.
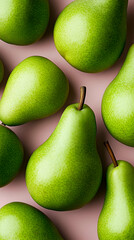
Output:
(79, 224)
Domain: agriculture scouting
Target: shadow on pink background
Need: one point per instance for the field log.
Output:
(79, 224)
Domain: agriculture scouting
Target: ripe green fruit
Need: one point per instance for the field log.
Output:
(117, 103)
(35, 89)
(23, 22)
(116, 221)
(1, 71)
(91, 34)
(11, 155)
(65, 172)
(19, 221)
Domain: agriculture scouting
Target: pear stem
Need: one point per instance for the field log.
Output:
(3, 124)
(82, 97)
(110, 151)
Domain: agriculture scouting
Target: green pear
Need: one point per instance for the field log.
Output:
(1, 71)
(11, 155)
(35, 89)
(117, 103)
(91, 34)
(23, 22)
(20, 221)
(116, 221)
(65, 172)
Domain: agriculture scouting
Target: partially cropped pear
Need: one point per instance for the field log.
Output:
(118, 103)
(91, 34)
(116, 221)
(20, 221)
(35, 89)
(23, 22)
(11, 155)
(65, 172)
(1, 71)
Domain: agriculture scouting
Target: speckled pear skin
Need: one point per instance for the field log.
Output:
(36, 88)
(1, 71)
(11, 155)
(23, 22)
(20, 221)
(116, 221)
(117, 103)
(91, 34)
(65, 172)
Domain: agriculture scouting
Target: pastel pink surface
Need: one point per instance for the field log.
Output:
(79, 224)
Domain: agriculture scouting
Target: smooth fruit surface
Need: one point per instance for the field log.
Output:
(91, 34)
(35, 89)
(116, 220)
(65, 172)
(1, 71)
(19, 221)
(11, 155)
(23, 22)
(117, 103)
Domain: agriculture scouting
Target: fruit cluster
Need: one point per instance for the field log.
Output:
(65, 172)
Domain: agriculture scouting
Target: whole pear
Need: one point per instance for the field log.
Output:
(23, 22)
(91, 34)
(20, 221)
(35, 89)
(1, 71)
(65, 172)
(117, 103)
(11, 155)
(116, 221)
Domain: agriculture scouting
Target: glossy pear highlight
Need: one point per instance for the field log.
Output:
(23, 22)
(36, 88)
(20, 221)
(91, 34)
(65, 172)
(117, 103)
(116, 220)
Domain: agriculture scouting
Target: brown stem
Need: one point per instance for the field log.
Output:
(82, 97)
(110, 151)
(3, 124)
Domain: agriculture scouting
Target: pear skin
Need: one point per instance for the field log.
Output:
(24, 22)
(1, 71)
(91, 34)
(20, 221)
(35, 89)
(65, 172)
(117, 103)
(11, 155)
(116, 221)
